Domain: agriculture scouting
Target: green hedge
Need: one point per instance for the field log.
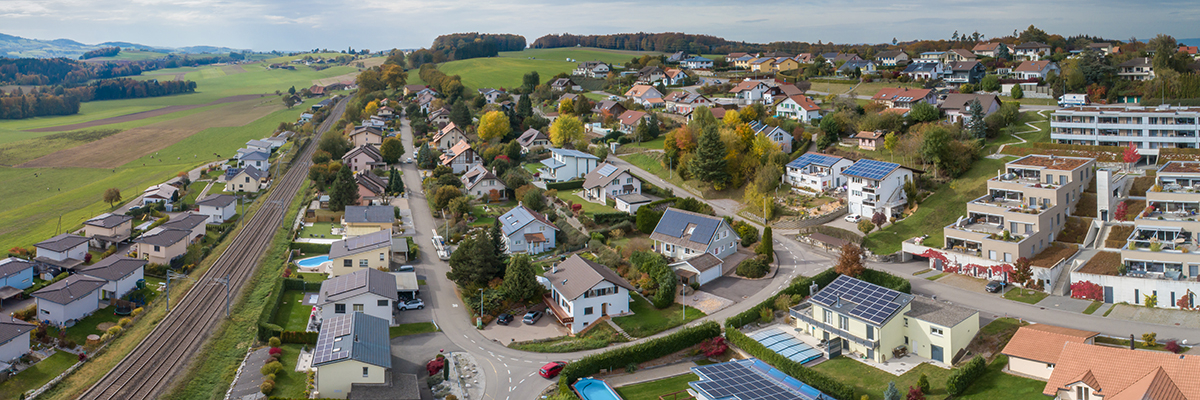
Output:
(799, 287)
(637, 353)
(962, 377)
(301, 285)
(611, 218)
(299, 337)
(568, 185)
(38, 286)
(811, 377)
(310, 248)
(267, 329)
(886, 280)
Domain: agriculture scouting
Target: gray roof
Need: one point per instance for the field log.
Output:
(922, 67)
(531, 135)
(259, 143)
(703, 262)
(573, 153)
(370, 214)
(108, 220)
(368, 280)
(359, 244)
(363, 338)
(113, 268)
(674, 225)
(188, 221)
(962, 101)
(552, 163)
(367, 149)
(890, 54)
(10, 266)
(577, 275)
(163, 236)
(603, 175)
(13, 328)
(219, 200)
(254, 155)
(938, 313)
(254, 173)
(518, 217)
(70, 289)
(634, 198)
(62, 242)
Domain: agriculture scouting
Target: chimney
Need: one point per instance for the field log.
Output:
(554, 270)
(839, 301)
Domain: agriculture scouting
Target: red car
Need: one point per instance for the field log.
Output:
(551, 369)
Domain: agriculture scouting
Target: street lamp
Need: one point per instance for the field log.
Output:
(479, 322)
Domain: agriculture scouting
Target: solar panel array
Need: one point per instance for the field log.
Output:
(740, 381)
(872, 303)
(345, 283)
(786, 345)
(870, 169)
(674, 223)
(329, 348)
(607, 170)
(813, 158)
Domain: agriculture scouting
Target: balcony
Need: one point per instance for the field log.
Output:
(803, 312)
(1161, 239)
(1009, 204)
(1178, 185)
(1171, 212)
(560, 314)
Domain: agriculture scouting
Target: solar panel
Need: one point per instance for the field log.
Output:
(871, 303)
(329, 347)
(871, 169)
(738, 379)
(607, 170)
(813, 158)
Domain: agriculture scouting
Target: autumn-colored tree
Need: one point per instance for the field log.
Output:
(915, 394)
(866, 226)
(493, 125)
(850, 262)
(878, 219)
(566, 107)
(1022, 271)
(1131, 155)
(565, 129)
(112, 195)
(732, 118)
(889, 143)
(371, 108)
(394, 76)
(391, 150)
(1087, 290)
(1121, 211)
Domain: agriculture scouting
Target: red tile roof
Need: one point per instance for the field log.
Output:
(891, 94)
(1043, 342)
(1120, 373)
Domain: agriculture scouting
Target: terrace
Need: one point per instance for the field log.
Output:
(964, 246)
(804, 311)
(992, 226)
(1011, 201)
(1156, 270)
(1177, 184)
(1022, 176)
(1170, 211)
(1156, 239)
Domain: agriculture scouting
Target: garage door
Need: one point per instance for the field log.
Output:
(935, 353)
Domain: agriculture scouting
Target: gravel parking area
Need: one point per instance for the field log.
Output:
(964, 282)
(1155, 315)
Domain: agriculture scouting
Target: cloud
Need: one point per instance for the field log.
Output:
(752, 21)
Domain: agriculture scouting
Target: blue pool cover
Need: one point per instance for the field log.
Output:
(786, 345)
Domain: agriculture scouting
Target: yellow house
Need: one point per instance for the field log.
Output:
(351, 348)
(786, 64)
(360, 252)
(108, 229)
(247, 180)
(764, 64)
(161, 245)
(361, 220)
(878, 323)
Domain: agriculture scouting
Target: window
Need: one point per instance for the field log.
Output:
(587, 311)
(156, 248)
(828, 317)
(1137, 296)
(1008, 257)
(906, 340)
(380, 256)
(358, 307)
(366, 371)
(991, 254)
(935, 331)
(1082, 392)
(383, 303)
(347, 263)
(364, 263)
(905, 321)
(843, 322)
(870, 333)
(339, 308)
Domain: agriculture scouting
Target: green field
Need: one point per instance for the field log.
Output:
(131, 55)
(37, 375)
(651, 390)
(579, 54)
(507, 69)
(286, 59)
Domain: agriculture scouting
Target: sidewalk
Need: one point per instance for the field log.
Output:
(648, 375)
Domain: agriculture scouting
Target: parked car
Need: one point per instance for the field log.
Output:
(994, 286)
(405, 268)
(504, 319)
(853, 218)
(414, 304)
(408, 160)
(551, 369)
(532, 317)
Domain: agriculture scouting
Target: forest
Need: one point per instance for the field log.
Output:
(61, 100)
(104, 52)
(461, 46)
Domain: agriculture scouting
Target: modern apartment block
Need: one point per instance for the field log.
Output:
(816, 172)
(1148, 128)
(1025, 208)
(877, 186)
(1163, 244)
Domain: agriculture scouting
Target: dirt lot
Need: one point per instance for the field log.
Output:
(144, 114)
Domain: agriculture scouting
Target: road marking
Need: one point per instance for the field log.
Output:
(528, 361)
(456, 305)
(522, 381)
(465, 335)
(480, 347)
(472, 340)
(509, 379)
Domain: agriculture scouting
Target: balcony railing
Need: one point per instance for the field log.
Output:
(803, 312)
(559, 313)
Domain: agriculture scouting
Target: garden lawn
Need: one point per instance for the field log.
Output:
(194, 190)
(289, 384)
(871, 381)
(532, 167)
(657, 143)
(293, 315)
(319, 230)
(589, 208)
(651, 390)
(942, 208)
(995, 384)
(1091, 308)
(87, 326)
(37, 375)
(647, 320)
(1025, 296)
(411, 329)
(310, 276)
(596, 337)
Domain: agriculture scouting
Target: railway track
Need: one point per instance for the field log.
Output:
(147, 370)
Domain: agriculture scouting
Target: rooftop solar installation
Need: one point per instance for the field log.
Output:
(871, 169)
(674, 223)
(607, 169)
(869, 302)
(813, 158)
(750, 380)
(334, 342)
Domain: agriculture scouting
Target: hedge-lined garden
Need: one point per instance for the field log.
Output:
(636, 354)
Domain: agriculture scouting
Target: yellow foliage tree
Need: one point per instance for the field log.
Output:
(732, 118)
(493, 125)
(566, 107)
(371, 108)
(745, 132)
(764, 147)
(565, 129)
(394, 76)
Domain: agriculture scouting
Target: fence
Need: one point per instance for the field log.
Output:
(808, 222)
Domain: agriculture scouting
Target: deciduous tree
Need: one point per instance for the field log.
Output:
(394, 76)
(392, 149)
(924, 112)
(565, 129)
(889, 143)
(850, 261)
(566, 107)
(112, 196)
(1131, 155)
(494, 125)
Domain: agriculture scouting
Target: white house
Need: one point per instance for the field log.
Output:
(608, 181)
(218, 207)
(65, 250)
(565, 164)
(1036, 69)
(748, 92)
(631, 202)
(697, 63)
(260, 145)
(478, 182)
(119, 273)
(533, 138)
(684, 234)
(255, 158)
(16, 274)
(194, 223)
(892, 58)
(490, 94)
(582, 292)
(449, 136)
(352, 348)
(816, 172)
(591, 69)
(369, 291)
(645, 95)
(527, 231)
(1032, 51)
(675, 77)
(630, 120)
(877, 186)
(778, 136)
(160, 193)
(799, 107)
(700, 270)
(14, 339)
(72, 298)
(461, 157)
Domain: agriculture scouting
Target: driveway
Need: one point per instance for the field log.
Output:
(734, 288)
(516, 331)
(841, 223)
(410, 353)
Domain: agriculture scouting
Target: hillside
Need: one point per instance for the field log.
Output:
(507, 69)
(19, 47)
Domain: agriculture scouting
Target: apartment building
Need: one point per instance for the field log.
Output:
(877, 186)
(816, 172)
(1163, 244)
(1148, 128)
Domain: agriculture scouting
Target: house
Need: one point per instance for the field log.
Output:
(425, 101)
(527, 231)
(608, 181)
(608, 108)
(195, 224)
(956, 106)
(592, 69)
(1103, 48)
(259, 144)
(762, 64)
(1087, 371)
(369, 251)
(362, 220)
(904, 98)
(249, 180)
(630, 203)
(1136, 69)
(370, 188)
(958, 55)
(684, 102)
(254, 158)
(988, 49)
(71, 299)
(564, 84)
(439, 117)
(479, 182)
(874, 322)
(736, 377)
(893, 58)
(798, 107)
(14, 339)
(684, 234)
(675, 77)
(649, 75)
(532, 138)
(566, 164)
(582, 292)
(642, 94)
(15, 275)
(778, 136)
(461, 157)
(748, 92)
(1032, 51)
(386, 112)
(363, 158)
(924, 70)
(1035, 69)
(869, 140)
(877, 186)
(835, 58)
(816, 172)
(742, 61)
(218, 207)
(1034, 349)
(363, 135)
(108, 229)
(676, 57)
(413, 90)
(161, 245)
(699, 270)
(804, 58)
(629, 120)
(963, 72)
(351, 349)
(447, 137)
(862, 66)
(369, 291)
(785, 64)
(160, 193)
(932, 56)
(64, 251)
(121, 275)
(490, 95)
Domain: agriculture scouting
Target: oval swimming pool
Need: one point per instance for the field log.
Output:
(595, 389)
(312, 262)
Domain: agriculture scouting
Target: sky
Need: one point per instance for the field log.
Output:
(264, 25)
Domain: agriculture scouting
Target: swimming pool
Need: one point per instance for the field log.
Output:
(312, 262)
(595, 389)
(786, 345)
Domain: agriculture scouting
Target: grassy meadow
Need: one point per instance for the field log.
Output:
(507, 69)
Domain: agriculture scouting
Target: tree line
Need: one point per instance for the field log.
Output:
(461, 46)
(61, 100)
(104, 52)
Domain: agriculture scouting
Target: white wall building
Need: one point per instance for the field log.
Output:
(816, 172)
(684, 234)
(120, 274)
(369, 291)
(72, 298)
(218, 208)
(582, 291)
(14, 339)
(565, 164)
(877, 186)
(527, 231)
